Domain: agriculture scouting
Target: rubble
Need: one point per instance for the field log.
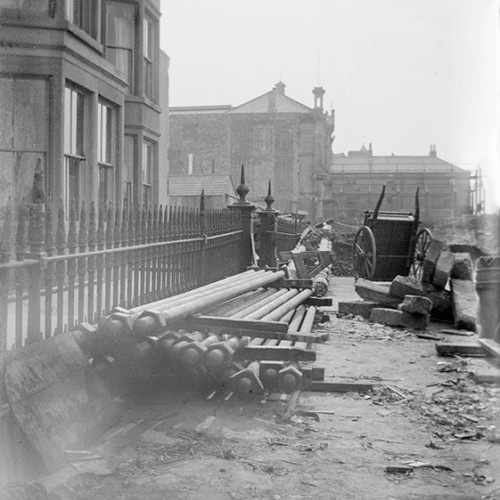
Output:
(416, 304)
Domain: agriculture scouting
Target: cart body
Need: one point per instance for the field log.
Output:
(395, 237)
(390, 244)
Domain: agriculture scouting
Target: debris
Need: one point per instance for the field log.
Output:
(428, 336)
(460, 349)
(398, 469)
(419, 464)
(98, 467)
(416, 304)
(452, 331)
(457, 365)
(310, 414)
(462, 266)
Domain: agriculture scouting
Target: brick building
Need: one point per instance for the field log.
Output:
(80, 97)
(276, 138)
(356, 179)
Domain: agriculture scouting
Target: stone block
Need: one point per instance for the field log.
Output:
(416, 304)
(465, 304)
(431, 257)
(443, 269)
(462, 267)
(395, 317)
(442, 307)
(357, 308)
(374, 292)
(406, 285)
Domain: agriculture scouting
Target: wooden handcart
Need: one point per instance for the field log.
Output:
(390, 244)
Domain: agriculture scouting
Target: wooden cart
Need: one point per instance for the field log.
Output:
(390, 244)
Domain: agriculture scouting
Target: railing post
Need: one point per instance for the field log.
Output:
(245, 210)
(36, 235)
(6, 244)
(203, 235)
(268, 228)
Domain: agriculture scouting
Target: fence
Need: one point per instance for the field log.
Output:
(58, 271)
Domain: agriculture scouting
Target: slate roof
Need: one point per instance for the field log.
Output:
(261, 104)
(192, 185)
(393, 164)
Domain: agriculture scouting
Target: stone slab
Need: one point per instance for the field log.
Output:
(395, 317)
(465, 304)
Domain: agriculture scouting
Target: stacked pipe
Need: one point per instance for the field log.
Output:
(146, 334)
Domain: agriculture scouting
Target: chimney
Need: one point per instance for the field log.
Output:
(432, 152)
(318, 93)
(280, 88)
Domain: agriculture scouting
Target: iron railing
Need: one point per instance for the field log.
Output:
(57, 271)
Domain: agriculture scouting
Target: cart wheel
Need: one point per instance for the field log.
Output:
(364, 253)
(424, 238)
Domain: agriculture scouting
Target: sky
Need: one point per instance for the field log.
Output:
(400, 74)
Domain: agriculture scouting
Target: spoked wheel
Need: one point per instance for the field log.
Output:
(424, 238)
(364, 253)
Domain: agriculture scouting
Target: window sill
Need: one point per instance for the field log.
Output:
(85, 37)
(143, 100)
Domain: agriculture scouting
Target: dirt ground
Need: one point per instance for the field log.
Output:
(175, 443)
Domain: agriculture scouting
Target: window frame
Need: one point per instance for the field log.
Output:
(150, 57)
(106, 164)
(74, 144)
(147, 167)
(84, 15)
(131, 77)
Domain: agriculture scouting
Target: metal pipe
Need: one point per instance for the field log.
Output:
(290, 377)
(273, 294)
(289, 305)
(239, 303)
(151, 321)
(192, 294)
(266, 309)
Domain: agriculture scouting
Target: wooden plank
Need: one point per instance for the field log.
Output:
(219, 321)
(292, 283)
(310, 338)
(460, 348)
(57, 398)
(491, 346)
(342, 387)
(319, 301)
(275, 353)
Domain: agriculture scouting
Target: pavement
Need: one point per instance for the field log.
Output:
(423, 432)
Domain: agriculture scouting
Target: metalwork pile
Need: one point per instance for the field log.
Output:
(249, 333)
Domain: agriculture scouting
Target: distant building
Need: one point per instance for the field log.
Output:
(80, 96)
(276, 138)
(356, 179)
(185, 190)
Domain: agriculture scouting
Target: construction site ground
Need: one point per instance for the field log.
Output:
(424, 417)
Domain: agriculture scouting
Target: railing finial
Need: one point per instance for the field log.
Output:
(242, 189)
(269, 198)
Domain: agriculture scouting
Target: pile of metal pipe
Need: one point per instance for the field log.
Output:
(155, 318)
(121, 321)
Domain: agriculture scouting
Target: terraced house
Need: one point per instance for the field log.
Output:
(81, 101)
